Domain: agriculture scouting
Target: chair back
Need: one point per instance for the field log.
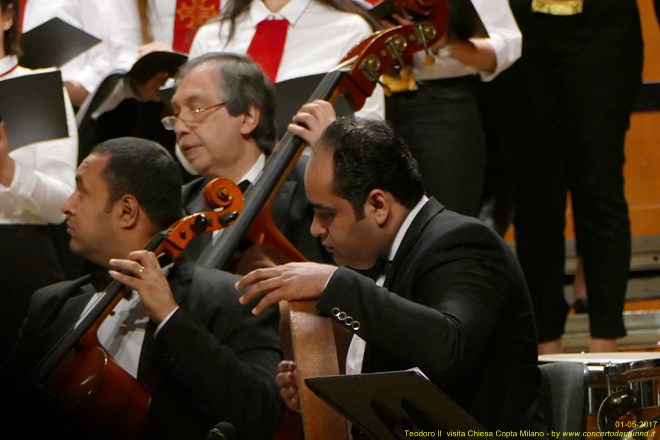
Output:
(565, 386)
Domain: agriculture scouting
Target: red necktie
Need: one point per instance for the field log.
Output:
(21, 14)
(190, 15)
(267, 45)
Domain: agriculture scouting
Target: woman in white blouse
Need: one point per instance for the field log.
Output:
(35, 179)
(319, 35)
(441, 120)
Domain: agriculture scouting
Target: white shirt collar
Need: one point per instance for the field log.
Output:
(7, 63)
(404, 227)
(253, 173)
(291, 12)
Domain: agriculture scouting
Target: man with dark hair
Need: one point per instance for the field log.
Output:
(453, 302)
(224, 108)
(181, 332)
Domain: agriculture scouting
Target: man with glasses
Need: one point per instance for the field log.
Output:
(224, 109)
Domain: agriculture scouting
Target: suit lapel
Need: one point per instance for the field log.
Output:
(428, 211)
(180, 279)
(193, 196)
(144, 365)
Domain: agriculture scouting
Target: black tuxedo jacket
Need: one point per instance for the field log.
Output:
(290, 211)
(212, 361)
(456, 305)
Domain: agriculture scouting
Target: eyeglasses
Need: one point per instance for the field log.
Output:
(195, 118)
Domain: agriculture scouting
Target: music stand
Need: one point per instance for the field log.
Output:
(385, 405)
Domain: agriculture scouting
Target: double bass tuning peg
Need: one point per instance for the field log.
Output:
(425, 32)
(401, 80)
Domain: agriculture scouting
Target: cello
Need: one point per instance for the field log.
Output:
(80, 375)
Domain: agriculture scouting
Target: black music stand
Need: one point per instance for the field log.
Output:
(385, 405)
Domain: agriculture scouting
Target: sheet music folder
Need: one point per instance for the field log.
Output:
(32, 107)
(53, 43)
(385, 405)
(464, 21)
(291, 94)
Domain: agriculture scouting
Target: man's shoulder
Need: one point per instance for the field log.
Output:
(192, 195)
(193, 187)
(445, 219)
(65, 287)
(439, 226)
(215, 284)
(212, 276)
(54, 296)
(212, 291)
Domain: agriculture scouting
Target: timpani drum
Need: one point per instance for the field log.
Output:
(624, 388)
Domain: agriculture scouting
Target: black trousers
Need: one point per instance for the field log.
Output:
(569, 105)
(28, 261)
(441, 124)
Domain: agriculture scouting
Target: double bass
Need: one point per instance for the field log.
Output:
(78, 372)
(355, 78)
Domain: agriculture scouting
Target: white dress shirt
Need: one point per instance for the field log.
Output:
(504, 37)
(127, 37)
(318, 38)
(92, 16)
(45, 171)
(122, 332)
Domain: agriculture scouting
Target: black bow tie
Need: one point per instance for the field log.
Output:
(244, 185)
(381, 267)
(100, 278)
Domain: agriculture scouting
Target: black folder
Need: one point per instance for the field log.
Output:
(32, 107)
(53, 43)
(385, 405)
(293, 93)
(464, 21)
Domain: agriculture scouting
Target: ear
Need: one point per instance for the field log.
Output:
(250, 120)
(7, 20)
(127, 211)
(378, 206)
